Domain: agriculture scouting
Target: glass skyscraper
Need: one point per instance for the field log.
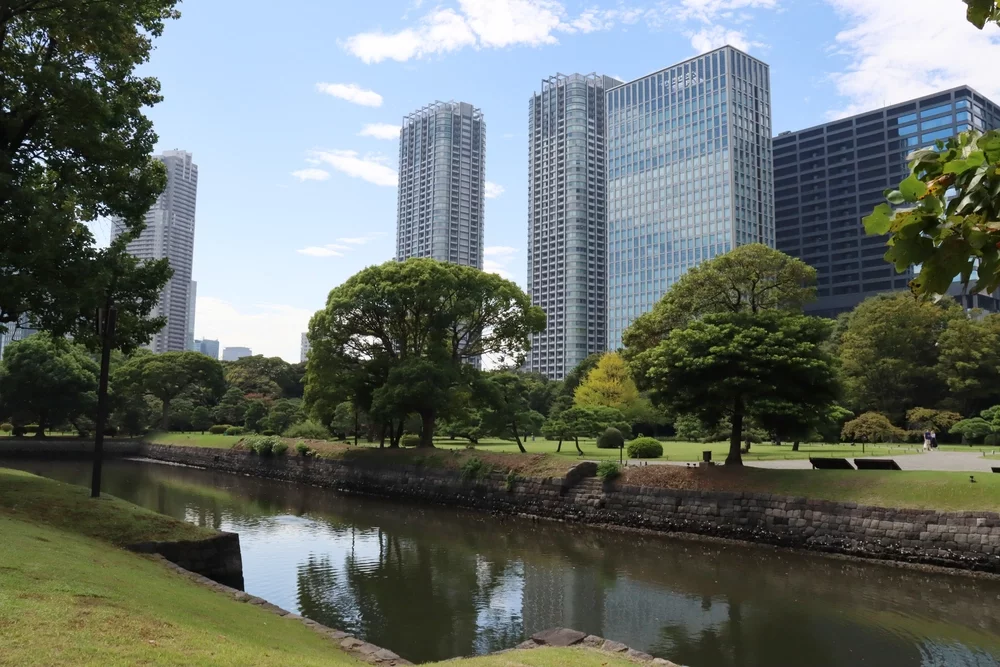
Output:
(442, 178)
(567, 220)
(829, 177)
(689, 175)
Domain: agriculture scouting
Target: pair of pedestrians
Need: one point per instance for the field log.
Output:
(930, 440)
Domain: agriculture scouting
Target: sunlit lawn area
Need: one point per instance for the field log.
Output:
(217, 441)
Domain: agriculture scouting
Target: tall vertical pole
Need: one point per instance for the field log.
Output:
(106, 317)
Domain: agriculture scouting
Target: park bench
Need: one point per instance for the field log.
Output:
(996, 469)
(876, 464)
(830, 464)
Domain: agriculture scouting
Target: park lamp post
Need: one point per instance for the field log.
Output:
(106, 317)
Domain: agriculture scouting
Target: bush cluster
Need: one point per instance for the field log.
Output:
(303, 449)
(6, 427)
(612, 438)
(308, 429)
(476, 468)
(608, 471)
(410, 440)
(644, 448)
(265, 445)
(219, 429)
(235, 430)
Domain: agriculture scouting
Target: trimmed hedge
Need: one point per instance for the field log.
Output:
(219, 429)
(308, 429)
(235, 430)
(409, 440)
(612, 438)
(645, 448)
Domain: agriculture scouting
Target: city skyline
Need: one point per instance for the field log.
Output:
(323, 204)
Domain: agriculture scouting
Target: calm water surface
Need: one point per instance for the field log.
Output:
(433, 583)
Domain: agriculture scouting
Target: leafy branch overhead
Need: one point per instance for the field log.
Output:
(948, 220)
(981, 12)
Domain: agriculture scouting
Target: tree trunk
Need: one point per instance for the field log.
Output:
(40, 431)
(381, 436)
(795, 446)
(165, 419)
(559, 446)
(427, 420)
(393, 436)
(577, 442)
(735, 458)
(517, 437)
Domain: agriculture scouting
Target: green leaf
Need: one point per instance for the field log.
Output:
(939, 270)
(879, 221)
(895, 197)
(912, 188)
(905, 252)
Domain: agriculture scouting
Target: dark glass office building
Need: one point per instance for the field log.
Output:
(827, 178)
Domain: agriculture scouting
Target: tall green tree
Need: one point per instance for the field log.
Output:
(419, 321)
(888, 353)
(232, 408)
(508, 412)
(47, 380)
(968, 362)
(608, 385)
(741, 366)
(166, 376)
(75, 148)
(272, 377)
(749, 279)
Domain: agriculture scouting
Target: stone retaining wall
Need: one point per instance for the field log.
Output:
(26, 448)
(218, 558)
(967, 540)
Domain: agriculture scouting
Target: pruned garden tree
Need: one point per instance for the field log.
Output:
(749, 279)
(872, 427)
(47, 381)
(968, 362)
(232, 408)
(609, 385)
(272, 377)
(408, 331)
(739, 366)
(75, 148)
(167, 376)
(507, 410)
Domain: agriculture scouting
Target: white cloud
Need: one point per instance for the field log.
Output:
(311, 174)
(361, 240)
(483, 24)
(890, 47)
(268, 329)
(493, 190)
(328, 250)
(713, 37)
(710, 10)
(380, 131)
(497, 260)
(352, 93)
(371, 168)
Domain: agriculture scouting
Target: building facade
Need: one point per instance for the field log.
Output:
(192, 300)
(567, 220)
(689, 175)
(207, 347)
(16, 331)
(829, 177)
(234, 353)
(169, 234)
(304, 348)
(442, 180)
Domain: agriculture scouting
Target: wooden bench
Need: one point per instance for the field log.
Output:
(876, 464)
(830, 464)
(996, 469)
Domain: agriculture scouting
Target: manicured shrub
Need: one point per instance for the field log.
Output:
(608, 471)
(279, 448)
(234, 430)
(872, 427)
(219, 429)
(410, 440)
(302, 448)
(308, 429)
(268, 432)
(612, 438)
(262, 445)
(645, 448)
(6, 427)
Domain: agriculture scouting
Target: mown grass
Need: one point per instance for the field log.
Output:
(216, 441)
(945, 491)
(30, 498)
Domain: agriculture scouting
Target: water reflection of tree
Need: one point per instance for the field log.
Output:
(322, 597)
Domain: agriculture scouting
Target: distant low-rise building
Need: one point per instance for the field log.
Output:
(207, 347)
(234, 353)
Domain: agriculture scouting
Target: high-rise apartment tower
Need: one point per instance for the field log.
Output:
(830, 176)
(689, 175)
(169, 234)
(567, 222)
(442, 180)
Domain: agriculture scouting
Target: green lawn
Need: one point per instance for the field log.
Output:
(945, 491)
(194, 439)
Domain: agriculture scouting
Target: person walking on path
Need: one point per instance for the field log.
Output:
(933, 439)
(927, 441)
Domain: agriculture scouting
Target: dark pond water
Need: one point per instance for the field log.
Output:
(433, 583)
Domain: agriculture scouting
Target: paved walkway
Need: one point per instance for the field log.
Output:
(941, 461)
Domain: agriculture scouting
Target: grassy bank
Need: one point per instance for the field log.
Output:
(69, 595)
(945, 491)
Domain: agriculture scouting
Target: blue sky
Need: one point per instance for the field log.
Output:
(291, 112)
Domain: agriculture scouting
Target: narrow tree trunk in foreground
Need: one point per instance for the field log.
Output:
(735, 458)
